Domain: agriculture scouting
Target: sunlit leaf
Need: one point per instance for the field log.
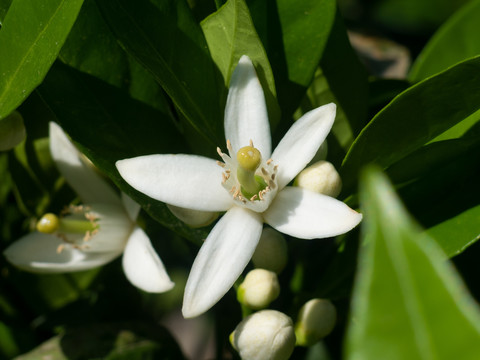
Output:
(230, 34)
(32, 34)
(414, 118)
(408, 302)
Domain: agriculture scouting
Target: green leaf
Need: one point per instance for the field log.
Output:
(168, 42)
(408, 302)
(294, 34)
(455, 41)
(32, 34)
(346, 76)
(230, 34)
(414, 118)
(108, 125)
(110, 342)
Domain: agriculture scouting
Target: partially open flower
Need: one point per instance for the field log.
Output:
(259, 289)
(321, 178)
(271, 252)
(264, 335)
(90, 235)
(316, 319)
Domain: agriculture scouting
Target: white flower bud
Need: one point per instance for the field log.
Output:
(322, 178)
(259, 289)
(193, 218)
(271, 252)
(316, 320)
(264, 335)
(12, 131)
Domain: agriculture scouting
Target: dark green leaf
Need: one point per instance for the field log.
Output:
(32, 34)
(110, 342)
(414, 118)
(455, 41)
(408, 302)
(168, 42)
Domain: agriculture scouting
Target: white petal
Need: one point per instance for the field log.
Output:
(38, 252)
(246, 115)
(142, 266)
(221, 260)
(131, 207)
(301, 142)
(188, 181)
(79, 175)
(308, 215)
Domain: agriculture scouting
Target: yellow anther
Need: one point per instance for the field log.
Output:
(249, 158)
(48, 224)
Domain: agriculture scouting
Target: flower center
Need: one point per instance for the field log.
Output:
(250, 179)
(74, 220)
(249, 159)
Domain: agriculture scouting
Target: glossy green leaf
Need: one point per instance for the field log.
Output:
(455, 41)
(108, 125)
(414, 118)
(168, 42)
(230, 34)
(32, 34)
(407, 302)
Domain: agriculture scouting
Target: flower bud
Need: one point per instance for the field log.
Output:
(12, 131)
(267, 334)
(193, 218)
(271, 252)
(320, 177)
(316, 320)
(259, 289)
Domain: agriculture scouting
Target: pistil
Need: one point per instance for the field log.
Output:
(249, 159)
(50, 223)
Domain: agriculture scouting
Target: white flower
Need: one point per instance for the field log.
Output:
(87, 236)
(250, 186)
(264, 335)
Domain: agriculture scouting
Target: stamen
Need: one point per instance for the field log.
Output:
(275, 168)
(271, 184)
(253, 197)
(60, 248)
(269, 161)
(219, 151)
(260, 195)
(264, 171)
(232, 190)
(273, 176)
(224, 178)
(229, 146)
(219, 163)
(251, 142)
(236, 193)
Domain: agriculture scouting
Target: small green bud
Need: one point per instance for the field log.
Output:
(320, 177)
(267, 334)
(249, 158)
(12, 131)
(316, 319)
(193, 218)
(271, 252)
(48, 223)
(259, 289)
